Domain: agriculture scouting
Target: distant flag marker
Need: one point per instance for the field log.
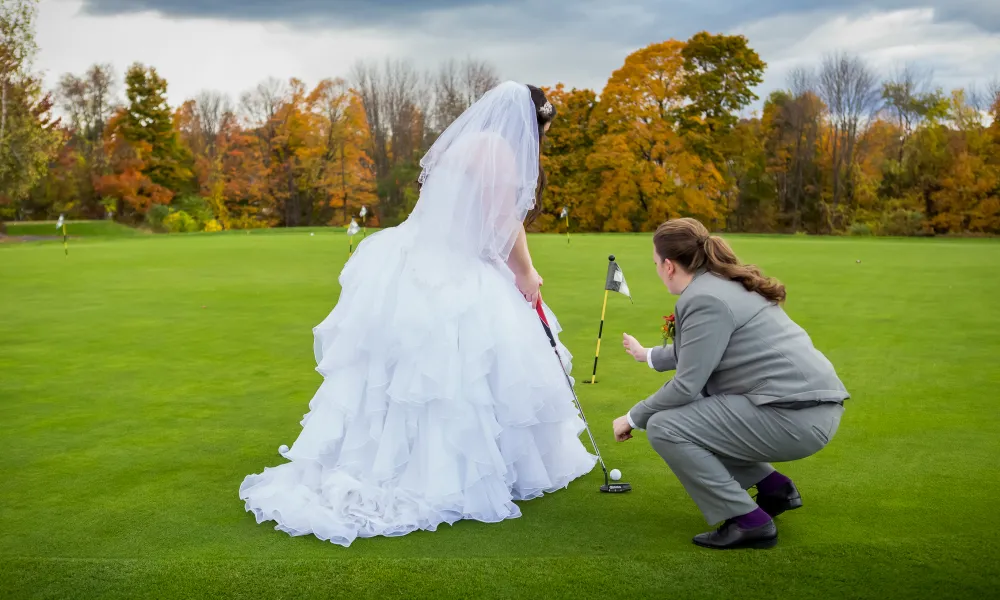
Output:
(352, 230)
(565, 215)
(61, 224)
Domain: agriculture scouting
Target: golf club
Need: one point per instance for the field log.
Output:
(608, 487)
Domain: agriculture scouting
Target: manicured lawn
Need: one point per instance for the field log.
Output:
(141, 379)
(73, 229)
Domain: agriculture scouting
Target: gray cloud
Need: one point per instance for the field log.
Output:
(522, 16)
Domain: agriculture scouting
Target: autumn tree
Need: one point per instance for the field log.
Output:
(396, 102)
(29, 137)
(647, 173)
(792, 126)
(967, 196)
(311, 146)
(88, 101)
(851, 92)
(567, 146)
(347, 174)
(908, 99)
(147, 163)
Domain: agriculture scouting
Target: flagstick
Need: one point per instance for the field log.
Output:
(350, 247)
(600, 332)
(567, 229)
(65, 245)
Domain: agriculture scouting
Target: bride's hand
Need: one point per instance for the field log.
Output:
(528, 283)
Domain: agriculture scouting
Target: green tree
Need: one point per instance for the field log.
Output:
(148, 123)
(29, 138)
(720, 72)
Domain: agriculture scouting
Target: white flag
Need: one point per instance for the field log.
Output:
(364, 212)
(616, 280)
(353, 228)
(564, 213)
(60, 223)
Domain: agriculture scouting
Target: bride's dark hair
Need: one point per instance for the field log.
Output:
(545, 113)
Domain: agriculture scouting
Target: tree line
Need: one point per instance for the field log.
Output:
(843, 149)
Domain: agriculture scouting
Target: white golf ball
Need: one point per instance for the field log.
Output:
(311, 234)
(615, 474)
(282, 449)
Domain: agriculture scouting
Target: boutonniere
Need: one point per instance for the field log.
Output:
(669, 328)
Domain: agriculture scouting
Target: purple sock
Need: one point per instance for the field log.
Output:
(756, 518)
(772, 483)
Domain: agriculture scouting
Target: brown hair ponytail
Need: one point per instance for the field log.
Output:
(687, 243)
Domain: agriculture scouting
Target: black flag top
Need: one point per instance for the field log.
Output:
(616, 279)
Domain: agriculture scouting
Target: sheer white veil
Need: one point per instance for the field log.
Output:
(479, 177)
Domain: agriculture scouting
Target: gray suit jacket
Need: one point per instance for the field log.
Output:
(731, 341)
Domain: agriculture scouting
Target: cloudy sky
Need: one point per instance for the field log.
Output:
(230, 45)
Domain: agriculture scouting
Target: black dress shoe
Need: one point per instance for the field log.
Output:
(731, 537)
(785, 499)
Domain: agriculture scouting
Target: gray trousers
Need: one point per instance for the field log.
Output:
(720, 446)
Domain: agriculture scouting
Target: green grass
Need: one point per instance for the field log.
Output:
(73, 229)
(142, 379)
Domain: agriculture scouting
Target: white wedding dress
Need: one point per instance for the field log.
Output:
(442, 398)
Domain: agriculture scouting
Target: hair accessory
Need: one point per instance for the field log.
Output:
(546, 109)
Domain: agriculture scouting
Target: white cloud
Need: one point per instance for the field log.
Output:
(958, 53)
(199, 54)
(233, 56)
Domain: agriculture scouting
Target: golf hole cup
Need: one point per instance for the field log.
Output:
(615, 474)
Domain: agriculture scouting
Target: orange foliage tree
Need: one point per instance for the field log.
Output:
(133, 191)
(647, 173)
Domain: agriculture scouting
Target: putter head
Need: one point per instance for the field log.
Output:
(618, 487)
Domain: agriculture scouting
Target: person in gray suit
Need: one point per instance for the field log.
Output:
(749, 389)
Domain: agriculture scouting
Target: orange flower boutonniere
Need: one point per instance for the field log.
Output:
(669, 328)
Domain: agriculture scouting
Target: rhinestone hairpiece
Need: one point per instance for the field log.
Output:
(546, 110)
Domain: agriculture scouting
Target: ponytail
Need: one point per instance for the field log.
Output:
(688, 243)
(721, 260)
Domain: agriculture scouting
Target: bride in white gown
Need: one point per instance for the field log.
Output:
(442, 399)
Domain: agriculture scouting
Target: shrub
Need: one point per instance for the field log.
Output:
(196, 206)
(156, 216)
(903, 222)
(180, 222)
(859, 229)
(213, 226)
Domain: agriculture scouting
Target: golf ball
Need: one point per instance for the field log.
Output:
(615, 474)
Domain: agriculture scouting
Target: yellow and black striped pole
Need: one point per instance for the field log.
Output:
(615, 282)
(567, 227)
(61, 225)
(600, 332)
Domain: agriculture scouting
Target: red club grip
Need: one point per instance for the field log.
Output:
(540, 311)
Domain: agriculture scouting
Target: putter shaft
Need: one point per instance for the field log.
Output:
(569, 383)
